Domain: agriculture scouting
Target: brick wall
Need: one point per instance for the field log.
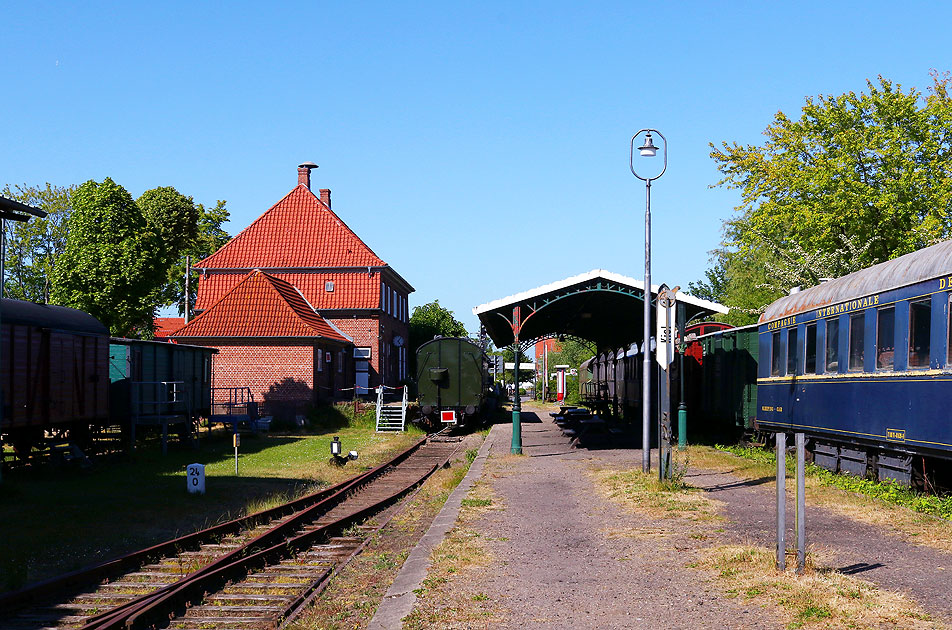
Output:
(376, 333)
(281, 374)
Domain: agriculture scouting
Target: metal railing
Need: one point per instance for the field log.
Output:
(391, 417)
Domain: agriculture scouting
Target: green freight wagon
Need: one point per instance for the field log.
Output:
(159, 384)
(452, 375)
(728, 380)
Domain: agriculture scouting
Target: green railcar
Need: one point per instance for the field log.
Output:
(452, 375)
(145, 374)
(728, 379)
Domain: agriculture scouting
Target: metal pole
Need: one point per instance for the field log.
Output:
(682, 395)
(801, 503)
(781, 500)
(516, 448)
(3, 259)
(188, 301)
(646, 362)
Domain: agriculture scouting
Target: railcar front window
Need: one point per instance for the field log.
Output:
(777, 359)
(885, 338)
(809, 366)
(857, 332)
(920, 323)
(792, 351)
(832, 345)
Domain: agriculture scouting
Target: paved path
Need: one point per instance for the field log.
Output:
(563, 557)
(922, 573)
(566, 558)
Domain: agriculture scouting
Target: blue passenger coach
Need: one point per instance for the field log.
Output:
(863, 365)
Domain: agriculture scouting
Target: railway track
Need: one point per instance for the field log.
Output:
(255, 572)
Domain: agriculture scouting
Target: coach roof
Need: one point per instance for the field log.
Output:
(930, 262)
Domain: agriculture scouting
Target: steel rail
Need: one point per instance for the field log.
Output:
(156, 608)
(96, 573)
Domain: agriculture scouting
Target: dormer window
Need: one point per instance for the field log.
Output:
(329, 286)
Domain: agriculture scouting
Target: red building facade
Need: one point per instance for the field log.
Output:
(300, 247)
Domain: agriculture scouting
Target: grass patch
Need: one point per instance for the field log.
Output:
(447, 598)
(53, 521)
(887, 491)
(886, 505)
(644, 493)
(820, 598)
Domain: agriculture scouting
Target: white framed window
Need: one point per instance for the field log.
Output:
(362, 353)
(320, 360)
(329, 286)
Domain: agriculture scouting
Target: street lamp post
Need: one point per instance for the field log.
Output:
(648, 149)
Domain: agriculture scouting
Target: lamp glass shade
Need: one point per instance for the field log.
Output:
(335, 447)
(648, 149)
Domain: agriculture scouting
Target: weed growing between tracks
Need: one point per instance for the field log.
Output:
(354, 594)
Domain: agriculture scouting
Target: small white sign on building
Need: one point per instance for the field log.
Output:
(195, 478)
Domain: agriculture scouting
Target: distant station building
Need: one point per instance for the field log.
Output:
(300, 308)
(165, 326)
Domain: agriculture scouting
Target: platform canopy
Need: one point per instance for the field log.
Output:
(16, 211)
(600, 306)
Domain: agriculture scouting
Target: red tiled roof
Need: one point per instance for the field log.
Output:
(298, 231)
(166, 325)
(260, 306)
(351, 290)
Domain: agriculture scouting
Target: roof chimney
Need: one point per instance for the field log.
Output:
(304, 173)
(326, 197)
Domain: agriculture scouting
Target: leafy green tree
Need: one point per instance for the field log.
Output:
(172, 216)
(112, 262)
(430, 320)
(33, 247)
(209, 238)
(855, 180)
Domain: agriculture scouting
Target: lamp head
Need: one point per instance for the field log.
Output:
(335, 446)
(648, 149)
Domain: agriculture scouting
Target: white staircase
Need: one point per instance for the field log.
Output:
(392, 415)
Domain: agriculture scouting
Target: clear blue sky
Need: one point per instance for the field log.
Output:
(481, 149)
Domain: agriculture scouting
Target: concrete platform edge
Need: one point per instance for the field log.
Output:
(399, 600)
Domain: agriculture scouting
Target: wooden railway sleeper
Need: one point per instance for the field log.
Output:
(193, 589)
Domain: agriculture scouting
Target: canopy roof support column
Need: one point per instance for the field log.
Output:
(516, 324)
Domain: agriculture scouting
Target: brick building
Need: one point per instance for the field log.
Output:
(302, 244)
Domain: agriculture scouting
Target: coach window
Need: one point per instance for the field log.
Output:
(792, 351)
(857, 332)
(885, 338)
(949, 330)
(832, 345)
(920, 322)
(809, 365)
(776, 357)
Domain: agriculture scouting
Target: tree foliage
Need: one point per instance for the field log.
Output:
(112, 261)
(855, 180)
(209, 237)
(33, 247)
(429, 320)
